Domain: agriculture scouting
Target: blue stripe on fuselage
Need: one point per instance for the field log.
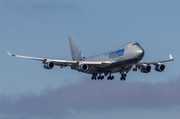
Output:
(115, 53)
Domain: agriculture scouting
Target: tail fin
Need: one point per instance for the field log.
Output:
(75, 51)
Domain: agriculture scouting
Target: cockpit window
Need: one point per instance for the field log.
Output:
(135, 44)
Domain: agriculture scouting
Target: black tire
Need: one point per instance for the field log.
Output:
(121, 78)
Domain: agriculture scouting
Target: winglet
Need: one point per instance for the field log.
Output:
(171, 57)
(9, 53)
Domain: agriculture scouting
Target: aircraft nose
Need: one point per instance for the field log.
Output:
(139, 53)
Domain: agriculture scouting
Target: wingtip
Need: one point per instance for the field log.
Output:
(171, 57)
(9, 53)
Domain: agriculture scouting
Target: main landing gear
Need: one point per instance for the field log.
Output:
(94, 75)
(110, 77)
(123, 77)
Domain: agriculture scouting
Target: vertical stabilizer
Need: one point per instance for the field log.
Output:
(75, 51)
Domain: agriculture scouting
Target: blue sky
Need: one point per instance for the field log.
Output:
(40, 28)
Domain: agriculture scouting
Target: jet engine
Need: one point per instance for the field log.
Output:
(49, 65)
(83, 67)
(160, 67)
(146, 69)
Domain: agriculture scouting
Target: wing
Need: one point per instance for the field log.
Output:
(155, 63)
(65, 63)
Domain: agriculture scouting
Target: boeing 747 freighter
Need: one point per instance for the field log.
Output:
(120, 60)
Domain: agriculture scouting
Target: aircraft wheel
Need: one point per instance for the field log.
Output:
(98, 77)
(123, 75)
(102, 77)
(93, 78)
(121, 78)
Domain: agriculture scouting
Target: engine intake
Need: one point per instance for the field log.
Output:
(83, 67)
(146, 69)
(160, 67)
(49, 65)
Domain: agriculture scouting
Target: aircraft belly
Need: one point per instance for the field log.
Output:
(116, 67)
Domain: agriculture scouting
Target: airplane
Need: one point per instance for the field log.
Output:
(120, 60)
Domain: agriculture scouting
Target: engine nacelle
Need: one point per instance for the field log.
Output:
(146, 69)
(160, 67)
(83, 67)
(49, 65)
